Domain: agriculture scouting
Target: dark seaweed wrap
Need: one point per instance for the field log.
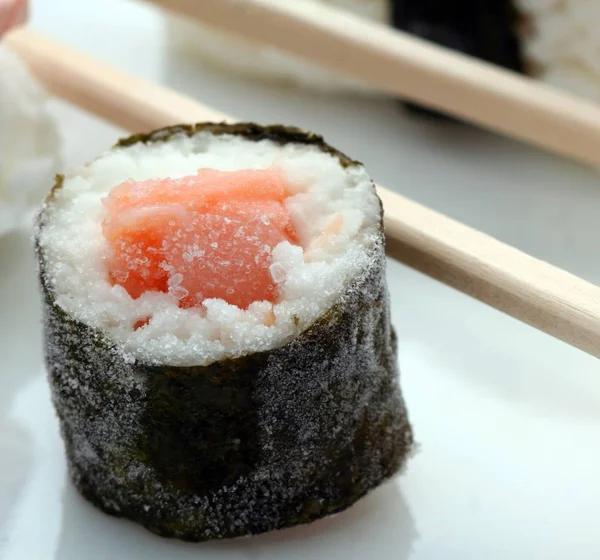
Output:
(242, 446)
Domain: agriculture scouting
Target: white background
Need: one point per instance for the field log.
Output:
(508, 419)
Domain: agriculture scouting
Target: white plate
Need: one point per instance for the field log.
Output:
(507, 418)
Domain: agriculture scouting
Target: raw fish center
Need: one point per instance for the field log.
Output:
(203, 236)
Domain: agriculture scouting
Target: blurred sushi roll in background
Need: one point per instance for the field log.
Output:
(29, 140)
(556, 41)
(217, 330)
(552, 40)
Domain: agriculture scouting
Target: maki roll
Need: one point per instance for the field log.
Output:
(217, 330)
(550, 40)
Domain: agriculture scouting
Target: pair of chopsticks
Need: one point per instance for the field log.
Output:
(530, 290)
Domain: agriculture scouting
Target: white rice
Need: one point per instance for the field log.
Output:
(564, 43)
(309, 281)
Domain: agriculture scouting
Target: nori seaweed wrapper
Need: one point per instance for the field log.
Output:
(242, 446)
(486, 29)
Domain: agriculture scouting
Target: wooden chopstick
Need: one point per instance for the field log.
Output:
(530, 290)
(399, 64)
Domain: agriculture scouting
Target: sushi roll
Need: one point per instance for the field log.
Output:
(217, 330)
(554, 41)
(29, 140)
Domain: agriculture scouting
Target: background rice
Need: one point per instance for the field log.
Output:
(563, 44)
